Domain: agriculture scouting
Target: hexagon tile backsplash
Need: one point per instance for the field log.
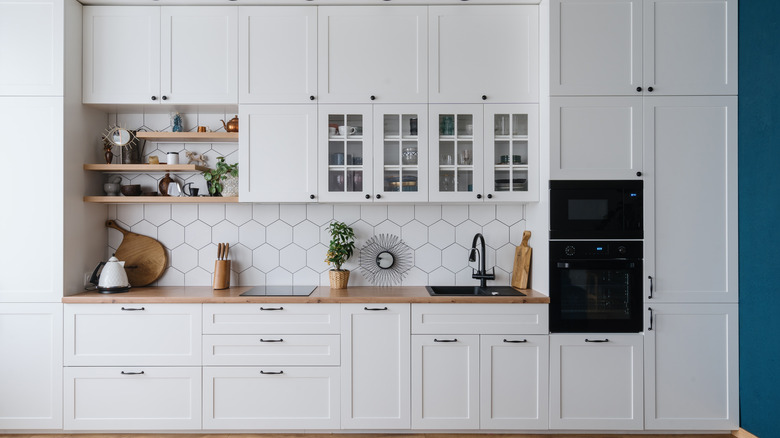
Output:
(281, 244)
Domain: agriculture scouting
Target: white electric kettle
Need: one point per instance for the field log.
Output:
(112, 278)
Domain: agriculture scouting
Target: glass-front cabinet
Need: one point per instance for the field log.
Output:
(456, 153)
(511, 152)
(345, 161)
(401, 160)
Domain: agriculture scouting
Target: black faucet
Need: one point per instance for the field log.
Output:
(482, 274)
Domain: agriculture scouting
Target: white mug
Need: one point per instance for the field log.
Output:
(173, 158)
(331, 130)
(347, 130)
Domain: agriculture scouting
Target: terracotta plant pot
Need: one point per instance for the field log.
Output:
(338, 279)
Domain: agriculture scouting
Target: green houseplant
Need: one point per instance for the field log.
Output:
(216, 177)
(342, 244)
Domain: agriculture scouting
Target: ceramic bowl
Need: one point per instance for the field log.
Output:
(131, 190)
(111, 189)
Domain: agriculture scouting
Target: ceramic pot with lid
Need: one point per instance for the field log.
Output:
(111, 278)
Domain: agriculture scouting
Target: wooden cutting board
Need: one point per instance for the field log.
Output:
(145, 258)
(522, 267)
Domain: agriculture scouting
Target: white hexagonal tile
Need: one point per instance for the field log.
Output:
(170, 234)
(516, 233)
(157, 214)
(363, 232)
(400, 214)
(265, 214)
(144, 228)
(463, 278)
(211, 214)
(251, 277)
(171, 277)
(305, 277)
(465, 232)
(212, 121)
(238, 214)
(505, 257)
(510, 214)
(442, 276)
(315, 257)
(415, 277)
(157, 121)
(373, 214)
(227, 150)
(172, 147)
(427, 214)
(306, 234)
(111, 211)
(346, 213)
(129, 214)
(240, 257)
(224, 232)
(292, 257)
(197, 234)
(292, 214)
(265, 258)
(357, 279)
(502, 277)
(278, 234)
(319, 214)
(197, 277)
(114, 237)
(490, 258)
(148, 183)
(482, 213)
(455, 214)
(441, 234)
(324, 278)
(130, 121)
(184, 214)
(427, 257)
(184, 258)
(496, 234)
(455, 257)
(278, 277)
(414, 234)
(251, 234)
(207, 256)
(387, 227)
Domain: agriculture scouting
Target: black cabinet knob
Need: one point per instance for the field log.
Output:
(479, 196)
(639, 174)
(378, 196)
(484, 97)
(311, 97)
(639, 89)
(154, 97)
(165, 97)
(368, 196)
(373, 97)
(311, 196)
(490, 196)
(650, 89)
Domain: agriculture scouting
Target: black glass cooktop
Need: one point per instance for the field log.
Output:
(270, 291)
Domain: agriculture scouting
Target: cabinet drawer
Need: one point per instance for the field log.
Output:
(271, 350)
(287, 319)
(132, 398)
(486, 319)
(271, 398)
(132, 334)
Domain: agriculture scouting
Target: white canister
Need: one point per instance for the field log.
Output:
(173, 158)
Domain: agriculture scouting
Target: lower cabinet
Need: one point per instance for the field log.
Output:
(596, 381)
(271, 397)
(132, 398)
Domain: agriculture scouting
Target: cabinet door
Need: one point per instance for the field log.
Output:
(131, 398)
(345, 153)
(199, 60)
(691, 157)
(595, 47)
(595, 137)
(456, 153)
(499, 45)
(690, 46)
(445, 381)
(31, 36)
(270, 398)
(511, 139)
(375, 366)
(121, 54)
(278, 151)
(692, 367)
(369, 53)
(31, 366)
(401, 162)
(513, 387)
(277, 54)
(596, 381)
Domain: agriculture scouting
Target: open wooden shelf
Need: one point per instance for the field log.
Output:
(143, 168)
(160, 199)
(178, 137)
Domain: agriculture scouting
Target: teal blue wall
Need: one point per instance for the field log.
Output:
(759, 215)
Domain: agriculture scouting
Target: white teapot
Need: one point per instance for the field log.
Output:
(112, 278)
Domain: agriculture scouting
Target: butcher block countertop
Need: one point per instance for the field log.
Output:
(357, 294)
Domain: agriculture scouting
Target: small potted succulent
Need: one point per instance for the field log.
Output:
(221, 179)
(342, 244)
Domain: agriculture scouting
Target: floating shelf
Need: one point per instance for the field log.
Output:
(160, 199)
(145, 168)
(179, 137)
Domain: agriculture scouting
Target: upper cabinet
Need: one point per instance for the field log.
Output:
(283, 38)
(176, 55)
(629, 47)
(484, 53)
(373, 54)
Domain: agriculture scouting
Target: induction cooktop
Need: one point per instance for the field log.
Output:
(270, 291)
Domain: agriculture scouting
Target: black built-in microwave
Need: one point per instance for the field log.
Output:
(588, 209)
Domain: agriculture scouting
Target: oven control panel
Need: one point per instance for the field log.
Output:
(595, 250)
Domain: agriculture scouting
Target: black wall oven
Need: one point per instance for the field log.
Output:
(596, 209)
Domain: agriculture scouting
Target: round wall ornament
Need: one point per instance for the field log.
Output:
(385, 259)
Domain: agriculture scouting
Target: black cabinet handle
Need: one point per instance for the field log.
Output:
(519, 341)
(131, 373)
(639, 89)
(597, 340)
(165, 98)
(271, 340)
(484, 97)
(639, 174)
(378, 196)
(133, 309)
(650, 277)
(311, 97)
(272, 308)
(490, 196)
(372, 97)
(650, 89)
(368, 196)
(445, 340)
(375, 308)
(311, 196)
(651, 318)
(271, 372)
(479, 196)
(154, 97)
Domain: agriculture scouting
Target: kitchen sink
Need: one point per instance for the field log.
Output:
(473, 290)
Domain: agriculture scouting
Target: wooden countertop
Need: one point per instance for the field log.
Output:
(357, 294)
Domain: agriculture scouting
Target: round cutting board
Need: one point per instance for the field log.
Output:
(145, 258)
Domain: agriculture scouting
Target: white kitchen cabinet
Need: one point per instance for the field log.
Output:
(309, 350)
(511, 139)
(596, 381)
(624, 47)
(596, 137)
(513, 386)
(278, 151)
(346, 153)
(271, 318)
(401, 158)
(445, 381)
(692, 367)
(132, 334)
(31, 35)
(30, 366)
(375, 366)
(691, 199)
(132, 398)
(456, 153)
(370, 53)
(270, 398)
(479, 319)
(277, 54)
(484, 53)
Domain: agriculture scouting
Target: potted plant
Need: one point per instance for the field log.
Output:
(221, 179)
(342, 244)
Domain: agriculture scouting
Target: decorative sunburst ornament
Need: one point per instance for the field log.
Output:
(385, 259)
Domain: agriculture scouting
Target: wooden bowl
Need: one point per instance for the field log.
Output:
(131, 190)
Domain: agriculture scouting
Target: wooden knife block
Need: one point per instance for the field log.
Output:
(221, 274)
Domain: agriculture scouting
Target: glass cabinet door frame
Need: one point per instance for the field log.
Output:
(406, 152)
(528, 165)
(330, 164)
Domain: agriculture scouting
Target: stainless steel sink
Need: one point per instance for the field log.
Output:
(473, 290)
